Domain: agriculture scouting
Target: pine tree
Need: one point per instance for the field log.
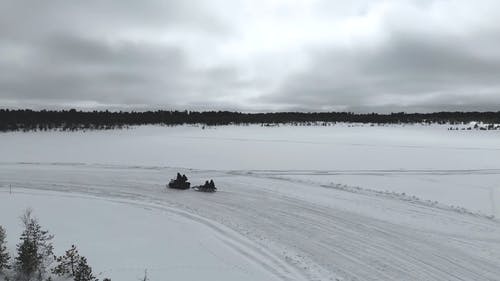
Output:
(35, 251)
(84, 271)
(4, 255)
(26, 261)
(68, 263)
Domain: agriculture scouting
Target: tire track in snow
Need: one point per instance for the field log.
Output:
(234, 240)
(392, 195)
(371, 172)
(495, 200)
(331, 238)
(490, 171)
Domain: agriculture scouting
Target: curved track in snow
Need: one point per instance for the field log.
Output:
(298, 230)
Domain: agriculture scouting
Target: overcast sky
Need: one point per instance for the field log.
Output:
(251, 55)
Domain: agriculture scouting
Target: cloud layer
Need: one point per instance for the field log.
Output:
(251, 55)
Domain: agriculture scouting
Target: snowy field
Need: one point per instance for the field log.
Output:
(295, 203)
(122, 238)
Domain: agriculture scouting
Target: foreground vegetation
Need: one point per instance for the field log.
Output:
(35, 259)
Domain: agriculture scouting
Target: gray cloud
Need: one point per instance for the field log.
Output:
(400, 55)
(411, 72)
(28, 19)
(69, 68)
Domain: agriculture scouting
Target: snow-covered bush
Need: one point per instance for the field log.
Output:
(68, 263)
(74, 266)
(84, 271)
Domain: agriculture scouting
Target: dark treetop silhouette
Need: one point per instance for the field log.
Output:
(27, 120)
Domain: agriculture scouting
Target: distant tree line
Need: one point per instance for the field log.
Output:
(29, 120)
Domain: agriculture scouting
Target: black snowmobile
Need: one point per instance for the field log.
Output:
(181, 182)
(209, 186)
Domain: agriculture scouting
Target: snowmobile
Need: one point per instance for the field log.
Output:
(179, 183)
(207, 187)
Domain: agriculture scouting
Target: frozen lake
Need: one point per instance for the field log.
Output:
(459, 168)
(294, 203)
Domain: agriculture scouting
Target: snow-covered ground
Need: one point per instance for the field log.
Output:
(289, 206)
(460, 168)
(122, 238)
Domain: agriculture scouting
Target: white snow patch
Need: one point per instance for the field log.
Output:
(122, 239)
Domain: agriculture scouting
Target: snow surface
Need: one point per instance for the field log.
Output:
(122, 238)
(460, 168)
(288, 206)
